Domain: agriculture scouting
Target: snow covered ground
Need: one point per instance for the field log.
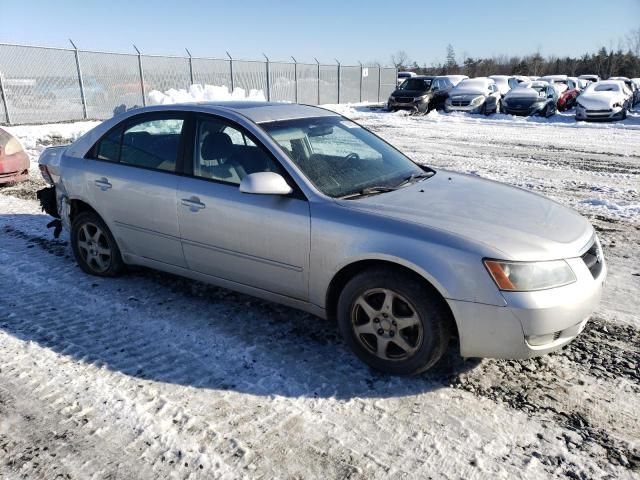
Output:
(154, 376)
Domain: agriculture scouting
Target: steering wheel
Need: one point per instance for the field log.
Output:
(352, 156)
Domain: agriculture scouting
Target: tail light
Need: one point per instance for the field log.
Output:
(45, 174)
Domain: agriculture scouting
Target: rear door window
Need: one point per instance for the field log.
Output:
(108, 148)
(152, 144)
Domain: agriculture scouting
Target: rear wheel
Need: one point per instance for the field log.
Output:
(94, 247)
(393, 322)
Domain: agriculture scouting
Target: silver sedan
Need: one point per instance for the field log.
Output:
(301, 206)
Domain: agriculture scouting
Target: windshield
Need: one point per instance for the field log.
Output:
(416, 84)
(339, 157)
(604, 87)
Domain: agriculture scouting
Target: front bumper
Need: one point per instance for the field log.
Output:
(14, 168)
(533, 109)
(469, 108)
(532, 323)
(414, 105)
(605, 114)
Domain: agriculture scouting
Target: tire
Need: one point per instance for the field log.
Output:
(624, 114)
(424, 108)
(382, 342)
(94, 247)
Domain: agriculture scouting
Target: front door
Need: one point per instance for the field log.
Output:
(256, 240)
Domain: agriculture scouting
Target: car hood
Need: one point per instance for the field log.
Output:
(523, 94)
(600, 100)
(512, 222)
(466, 91)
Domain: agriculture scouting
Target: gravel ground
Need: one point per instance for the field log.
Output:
(154, 376)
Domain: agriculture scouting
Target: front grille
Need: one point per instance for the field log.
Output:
(517, 111)
(404, 99)
(593, 259)
(460, 102)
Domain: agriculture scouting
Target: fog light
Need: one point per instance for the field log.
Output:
(537, 340)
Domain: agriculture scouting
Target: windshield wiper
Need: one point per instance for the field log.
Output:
(368, 191)
(413, 177)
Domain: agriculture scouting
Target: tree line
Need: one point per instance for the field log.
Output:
(622, 61)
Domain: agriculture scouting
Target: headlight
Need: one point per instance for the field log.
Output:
(579, 105)
(422, 97)
(528, 276)
(448, 101)
(617, 105)
(392, 98)
(477, 101)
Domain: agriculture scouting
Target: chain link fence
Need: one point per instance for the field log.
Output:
(42, 84)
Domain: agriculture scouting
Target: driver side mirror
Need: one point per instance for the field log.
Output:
(265, 183)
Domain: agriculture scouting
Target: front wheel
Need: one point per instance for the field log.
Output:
(393, 322)
(94, 247)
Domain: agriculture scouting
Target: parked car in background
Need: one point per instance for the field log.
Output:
(591, 78)
(568, 90)
(474, 95)
(421, 94)
(301, 206)
(517, 80)
(604, 100)
(402, 76)
(502, 82)
(632, 87)
(532, 98)
(456, 79)
(14, 162)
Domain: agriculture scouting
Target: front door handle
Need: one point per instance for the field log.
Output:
(103, 184)
(193, 203)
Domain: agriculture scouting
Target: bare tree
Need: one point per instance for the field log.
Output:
(400, 59)
(633, 42)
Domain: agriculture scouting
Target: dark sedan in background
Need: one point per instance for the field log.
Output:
(533, 98)
(420, 94)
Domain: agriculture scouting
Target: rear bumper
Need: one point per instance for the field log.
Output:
(532, 323)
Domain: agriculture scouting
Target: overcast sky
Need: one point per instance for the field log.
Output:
(326, 29)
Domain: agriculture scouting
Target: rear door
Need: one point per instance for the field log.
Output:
(256, 240)
(131, 181)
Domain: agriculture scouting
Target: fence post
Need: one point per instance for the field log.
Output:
(379, 80)
(190, 66)
(230, 69)
(268, 80)
(144, 99)
(338, 62)
(361, 73)
(295, 75)
(83, 98)
(318, 79)
(4, 99)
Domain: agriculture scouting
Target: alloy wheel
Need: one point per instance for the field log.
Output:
(386, 324)
(94, 248)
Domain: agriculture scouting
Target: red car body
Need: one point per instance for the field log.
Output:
(568, 99)
(14, 162)
(568, 90)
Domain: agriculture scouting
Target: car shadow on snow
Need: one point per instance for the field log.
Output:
(164, 328)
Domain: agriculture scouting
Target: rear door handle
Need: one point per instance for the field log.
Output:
(103, 184)
(193, 203)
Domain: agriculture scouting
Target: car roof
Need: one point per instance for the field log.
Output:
(257, 112)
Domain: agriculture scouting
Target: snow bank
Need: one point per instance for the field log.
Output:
(204, 93)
